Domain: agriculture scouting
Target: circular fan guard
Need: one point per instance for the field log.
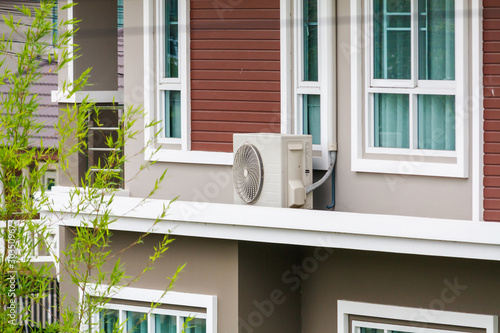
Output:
(248, 173)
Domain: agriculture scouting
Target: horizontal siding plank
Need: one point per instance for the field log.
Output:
(235, 85)
(233, 106)
(492, 137)
(492, 125)
(211, 137)
(492, 148)
(236, 34)
(232, 75)
(491, 3)
(491, 92)
(236, 64)
(234, 127)
(227, 5)
(264, 117)
(491, 25)
(491, 103)
(492, 193)
(253, 55)
(492, 204)
(492, 159)
(492, 215)
(491, 35)
(491, 58)
(492, 181)
(234, 14)
(492, 114)
(213, 146)
(492, 170)
(255, 24)
(491, 47)
(491, 13)
(492, 80)
(490, 69)
(235, 95)
(211, 45)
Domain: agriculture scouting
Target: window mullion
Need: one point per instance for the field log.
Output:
(413, 121)
(414, 42)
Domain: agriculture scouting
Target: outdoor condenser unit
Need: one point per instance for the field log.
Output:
(272, 169)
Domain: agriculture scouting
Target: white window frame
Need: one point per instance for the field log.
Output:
(51, 172)
(207, 302)
(172, 84)
(414, 161)
(387, 328)
(170, 149)
(345, 309)
(149, 315)
(293, 87)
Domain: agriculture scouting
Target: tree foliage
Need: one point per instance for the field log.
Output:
(86, 262)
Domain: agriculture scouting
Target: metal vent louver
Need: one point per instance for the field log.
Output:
(248, 173)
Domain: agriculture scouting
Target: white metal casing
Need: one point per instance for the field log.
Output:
(287, 164)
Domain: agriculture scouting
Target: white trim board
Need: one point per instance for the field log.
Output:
(370, 232)
(346, 308)
(477, 109)
(101, 96)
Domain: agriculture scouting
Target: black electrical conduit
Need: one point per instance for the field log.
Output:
(312, 187)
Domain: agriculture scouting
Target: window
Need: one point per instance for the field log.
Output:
(358, 317)
(169, 317)
(171, 73)
(103, 145)
(409, 110)
(139, 319)
(50, 176)
(308, 101)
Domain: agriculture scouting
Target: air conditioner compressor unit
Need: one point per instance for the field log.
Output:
(272, 169)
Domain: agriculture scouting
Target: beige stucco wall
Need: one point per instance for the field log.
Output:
(470, 286)
(97, 39)
(211, 269)
(385, 193)
(355, 191)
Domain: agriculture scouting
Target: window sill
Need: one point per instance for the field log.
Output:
(182, 156)
(410, 165)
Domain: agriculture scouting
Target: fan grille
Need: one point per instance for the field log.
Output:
(248, 173)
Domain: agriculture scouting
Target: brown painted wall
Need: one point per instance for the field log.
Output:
(266, 304)
(448, 284)
(235, 78)
(491, 60)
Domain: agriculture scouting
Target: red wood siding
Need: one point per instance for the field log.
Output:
(491, 68)
(235, 70)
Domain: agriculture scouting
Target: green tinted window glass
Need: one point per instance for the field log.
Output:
(436, 122)
(171, 39)
(136, 322)
(195, 325)
(436, 39)
(165, 324)
(172, 113)
(107, 320)
(392, 39)
(312, 117)
(310, 35)
(391, 121)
